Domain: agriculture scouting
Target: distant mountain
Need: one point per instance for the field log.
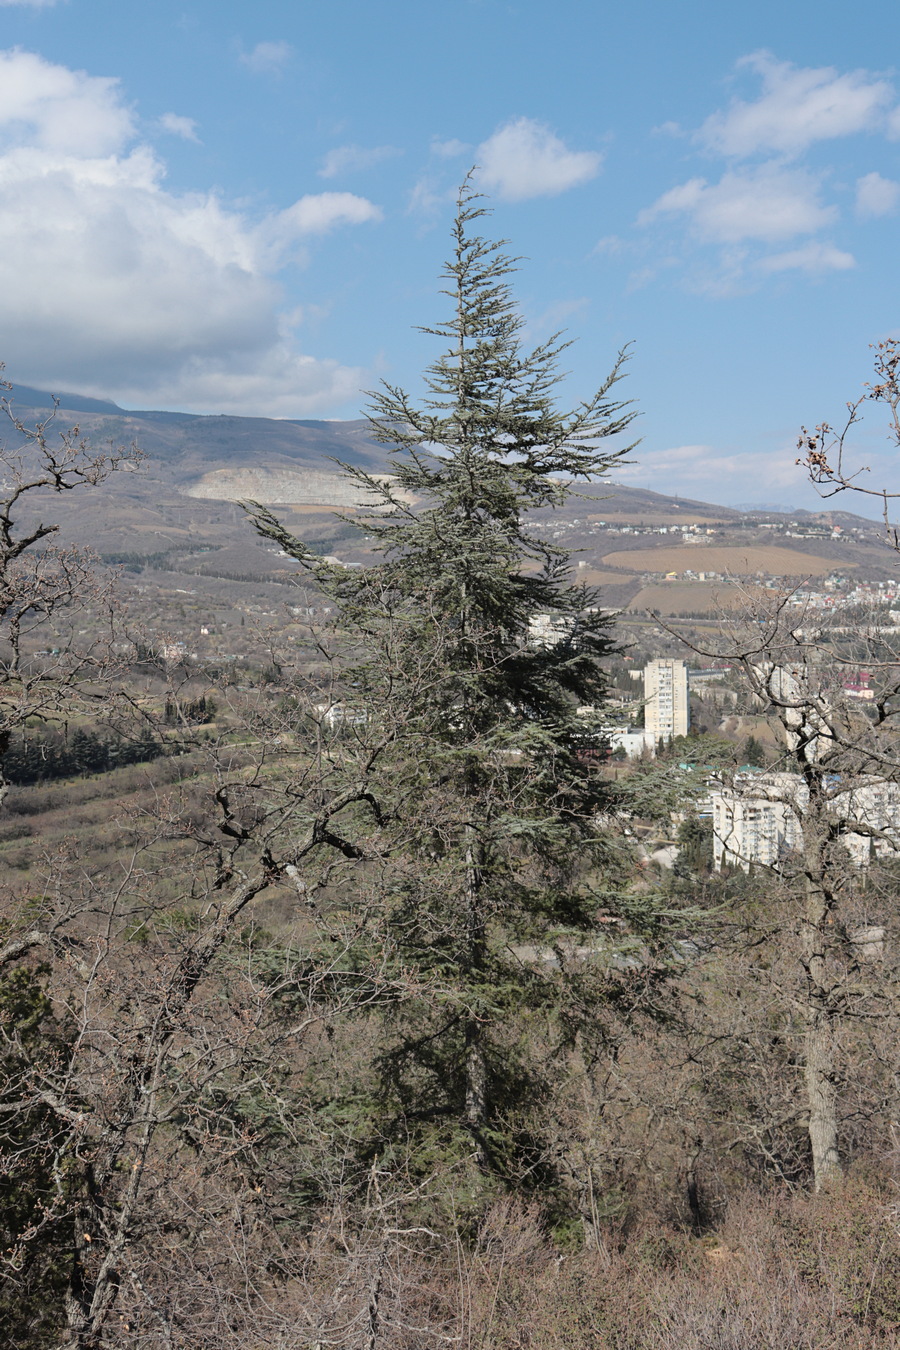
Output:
(291, 463)
(641, 502)
(224, 457)
(23, 396)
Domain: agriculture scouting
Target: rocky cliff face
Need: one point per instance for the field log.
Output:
(278, 486)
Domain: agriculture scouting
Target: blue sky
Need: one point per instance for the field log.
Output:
(219, 209)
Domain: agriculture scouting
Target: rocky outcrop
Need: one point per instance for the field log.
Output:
(278, 486)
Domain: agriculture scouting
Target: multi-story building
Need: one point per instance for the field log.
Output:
(549, 630)
(635, 741)
(756, 820)
(666, 702)
(803, 707)
(759, 819)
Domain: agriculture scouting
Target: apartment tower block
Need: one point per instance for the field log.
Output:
(666, 704)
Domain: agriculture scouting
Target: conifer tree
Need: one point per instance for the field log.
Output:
(477, 648)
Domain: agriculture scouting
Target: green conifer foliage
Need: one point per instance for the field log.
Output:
(754, 752)
(492, 869)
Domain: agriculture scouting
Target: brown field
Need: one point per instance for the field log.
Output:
(595, 576)
(768, 559)
(589, 575)
(678, 598)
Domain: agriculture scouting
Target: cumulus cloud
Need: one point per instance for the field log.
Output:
(761, 218)
(876, 196)
(811, 257)
(770, 203)
(704, 468)
(523, 158)
(449, 149)
(798, 106)
(278, 381)
(110, 280)
(185, 127)
(267, 58)
(280, 234)
(353, 158)
(52, 108)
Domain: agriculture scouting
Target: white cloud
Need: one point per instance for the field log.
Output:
(525, 159)
(769, 204)
(798, 106)
(277, 382)
(449, 149)
(267, 58)
(705, 469)
(108, 278)
(279, 235)
(353, 158)
(58, 109)
(769, 217)
(185, 127)
(428, 196)
(811, 257)
(554, 318)
(876, 196)
(32, 4)
(687, 462)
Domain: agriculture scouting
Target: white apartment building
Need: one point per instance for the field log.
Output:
(755, 821)
(549, 630)
(666, 702)
(759, 819)
(635, 741)
(801, 704)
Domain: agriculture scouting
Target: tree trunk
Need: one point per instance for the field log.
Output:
(475, 1067)
(476, 1088)
(819, 1072)
(822, 1100)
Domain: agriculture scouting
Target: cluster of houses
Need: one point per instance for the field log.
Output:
(757, 817)
(838, 593)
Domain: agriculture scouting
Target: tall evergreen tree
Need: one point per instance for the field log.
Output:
(476, 650)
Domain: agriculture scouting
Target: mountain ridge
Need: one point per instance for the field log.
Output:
(296, 461)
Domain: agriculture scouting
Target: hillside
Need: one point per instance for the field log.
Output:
(175, 515)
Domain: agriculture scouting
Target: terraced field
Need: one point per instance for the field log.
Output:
(753, 560)
(593, 576)
(674, 598)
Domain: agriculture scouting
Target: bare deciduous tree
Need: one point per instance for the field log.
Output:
(837, 784)
(43, 587)
(827, 456)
